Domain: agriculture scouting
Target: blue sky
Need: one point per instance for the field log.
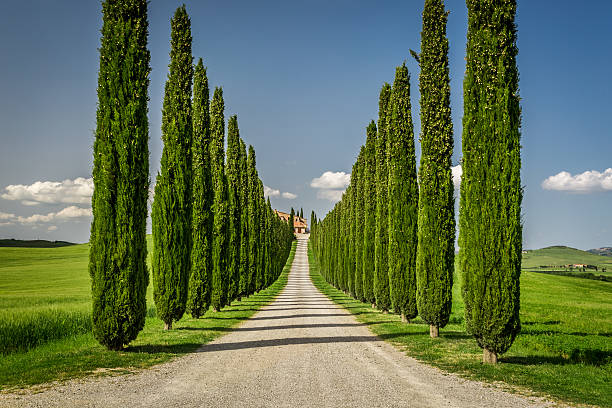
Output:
(303, 78)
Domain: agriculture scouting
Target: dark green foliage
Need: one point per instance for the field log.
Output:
(403, 198)
(301, 213)
(202, 220)
(172, 209)
(243, 191)
(291, 220)
(118, 252)
(369, 209)
(381, 270)
(254, 223)
(263, 250)
(490, 234)
(357, 178)
(234, 208)
(220, 278)
(436, 252)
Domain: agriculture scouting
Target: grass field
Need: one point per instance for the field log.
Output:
(564, 349)
(45, 320)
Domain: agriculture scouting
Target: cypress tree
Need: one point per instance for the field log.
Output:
(403, 199)
(172, 212)
(350, 231)
(436, 251)
(118, 251)
(490, 233)
(253, 180)
(202, 220)
(369, 201)
(244, 221)
(358, 220)
(291, 220)
(220, 203)
(263, 250)
(381, 265)
(233, 185)
(301, 213)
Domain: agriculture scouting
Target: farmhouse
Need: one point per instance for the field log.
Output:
(300, 225)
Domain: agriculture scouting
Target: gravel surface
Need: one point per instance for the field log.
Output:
(300, 351)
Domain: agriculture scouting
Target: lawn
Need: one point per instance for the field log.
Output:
(45, 321)
(564, 350)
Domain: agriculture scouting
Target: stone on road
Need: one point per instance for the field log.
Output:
(300, 351)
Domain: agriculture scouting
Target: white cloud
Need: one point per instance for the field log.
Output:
(289, 196)
(52, 228)
(63, 215)
(457, 172)
(270, 192)
(332, 180)
(77, 191)
(587, 182)
(331, 195)
(6, 216)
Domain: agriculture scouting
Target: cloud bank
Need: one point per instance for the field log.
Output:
(331, 185)
(332, 180)
(67, 213)
(77, 191)
(457, 172)
(588, 182)
(271, 192)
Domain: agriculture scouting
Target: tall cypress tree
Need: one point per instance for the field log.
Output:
(202, 220)
(358, 220)
(291, 220)
(403, 199)
(244, 221)
(233, 186)
(263, 250)
(220, 203)
(381, 270)
(436, 251)
(253, 180)
(369, 201)
(490, 233)
(172, 212)
(118, 251)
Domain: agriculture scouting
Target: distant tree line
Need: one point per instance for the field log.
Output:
(215, 238)
(390, 241)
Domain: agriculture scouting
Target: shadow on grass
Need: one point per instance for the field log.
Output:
(588, 357)
(164, 348)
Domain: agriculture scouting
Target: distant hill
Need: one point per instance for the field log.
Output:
(604, 251)
(555, 258)
(36, 243)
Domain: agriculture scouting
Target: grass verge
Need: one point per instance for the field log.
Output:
(563, 352)
(80, 355)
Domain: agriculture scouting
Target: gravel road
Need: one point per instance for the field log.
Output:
(300, 351)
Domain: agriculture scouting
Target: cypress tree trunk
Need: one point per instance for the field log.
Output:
(381, 271)
(253, 219)
(436, 254)
(244, 221)
(118, 251)
(172, 210)
(233, 186)
(202, 220)
(490, 233)
(369, 200)
(403, 199)
(220, 203)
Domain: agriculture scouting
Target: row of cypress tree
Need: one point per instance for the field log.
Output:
(215, 238)
(390, 241)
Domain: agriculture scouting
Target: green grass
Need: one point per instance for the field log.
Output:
(45, 307)
(553, 258)
(564, 350)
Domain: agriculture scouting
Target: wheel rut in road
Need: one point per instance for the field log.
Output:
(302, 350)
